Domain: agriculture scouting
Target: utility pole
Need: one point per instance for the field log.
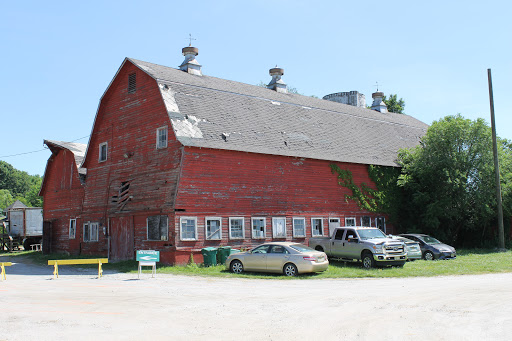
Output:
(501, 230)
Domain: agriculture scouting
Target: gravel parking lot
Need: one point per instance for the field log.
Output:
(78, 306)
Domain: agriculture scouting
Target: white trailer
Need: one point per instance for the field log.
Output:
(26, 225)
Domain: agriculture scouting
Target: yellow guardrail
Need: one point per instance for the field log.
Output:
(3, 265)
(57, 262)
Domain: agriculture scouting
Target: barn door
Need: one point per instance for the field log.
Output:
(16, 224)
(121, 238)
(47, 237)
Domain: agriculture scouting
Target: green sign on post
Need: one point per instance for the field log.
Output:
(148, 256)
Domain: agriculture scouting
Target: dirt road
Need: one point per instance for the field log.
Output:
(77, 306)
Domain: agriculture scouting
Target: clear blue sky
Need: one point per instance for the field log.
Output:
(58, 57)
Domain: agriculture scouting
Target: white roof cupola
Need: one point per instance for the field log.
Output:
(378, 103)
(277, 83)
(190, 64)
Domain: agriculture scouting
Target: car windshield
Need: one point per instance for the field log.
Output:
(430, 240)
(371, 234)
(301, 248)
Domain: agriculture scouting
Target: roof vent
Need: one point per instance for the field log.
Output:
(378, 104)
(190, 63)
(277, 83)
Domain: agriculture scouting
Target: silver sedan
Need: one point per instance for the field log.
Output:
(287, 258)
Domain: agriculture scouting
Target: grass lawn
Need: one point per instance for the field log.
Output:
(468, 262)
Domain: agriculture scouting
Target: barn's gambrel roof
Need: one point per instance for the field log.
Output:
(78, 150)
(210, 112)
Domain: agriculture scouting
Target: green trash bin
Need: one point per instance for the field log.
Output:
(222, 254)
(234, 251)
(209, 256)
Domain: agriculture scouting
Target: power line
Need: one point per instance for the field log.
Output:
(35, 151)
(40, 150)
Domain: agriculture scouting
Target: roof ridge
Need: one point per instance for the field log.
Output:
(376, 119)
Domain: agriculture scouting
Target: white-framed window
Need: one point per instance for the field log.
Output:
(333, 222)
(236, 228)
(279, 227)
(350, 221)
(188, 228)
(258, 227)
(72, 228)
(366, 221)
(103, 152)
(161, 137)
(213, 228)
(299, 227)
(157, 227)
(380, 222)
(91, 232)
(317, 227)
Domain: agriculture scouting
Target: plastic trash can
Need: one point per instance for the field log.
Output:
(209, 256)
(222, 254)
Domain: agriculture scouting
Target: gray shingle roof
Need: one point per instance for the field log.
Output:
(210, 112)
(78, 150)
(15, 205)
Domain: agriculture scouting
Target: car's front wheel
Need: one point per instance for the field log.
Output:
(428, 255)
(290, 270)
(368, 261)
(236, 267)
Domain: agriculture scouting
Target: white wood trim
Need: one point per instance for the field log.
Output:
(195, 228)
(206, 219)
(293, 227)
(264, 227)
(243, 228)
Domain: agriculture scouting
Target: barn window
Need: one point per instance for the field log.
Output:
(258, 228)
(236, 228)
(91, 232)
(299, 227)
(188, 226)
(350, 221)
(72, 228)
(279, 227)
(161, 137)
(157, 227)
(132, 83)
(380, 222)
(103, 152)
(366, 221)
(213, 228)
(317, 227)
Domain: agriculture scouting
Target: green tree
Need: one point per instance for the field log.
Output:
(394, 105)
(6, 199)
(20, 185)
(32, 196)
(448, 182)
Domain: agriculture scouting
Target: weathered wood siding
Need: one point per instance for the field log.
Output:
(128, 122)
(219, 183)
(63, 194)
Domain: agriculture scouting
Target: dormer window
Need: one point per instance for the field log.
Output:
(103, 152)
(132, 83)
(161, 137)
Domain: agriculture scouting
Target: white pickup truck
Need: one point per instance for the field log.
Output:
(366, 244)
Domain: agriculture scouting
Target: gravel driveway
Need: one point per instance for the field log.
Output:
(78, 306)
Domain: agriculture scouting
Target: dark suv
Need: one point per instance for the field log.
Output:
(432, 248)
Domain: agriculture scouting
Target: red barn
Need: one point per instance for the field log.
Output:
(178, 161)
